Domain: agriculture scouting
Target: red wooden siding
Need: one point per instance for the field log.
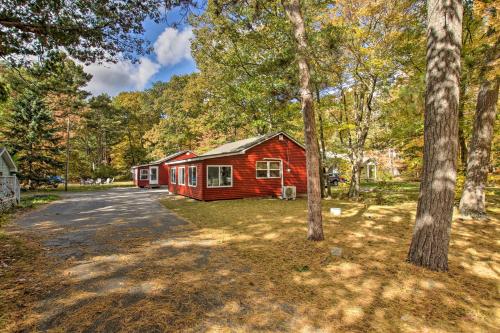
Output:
(245, 182)
(186, 190)
(163, 170)
(163, 175)
(142, 183)
(184, 156)
(244, 166)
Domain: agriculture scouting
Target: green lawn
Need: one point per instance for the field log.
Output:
(76, 187)
(28, 201)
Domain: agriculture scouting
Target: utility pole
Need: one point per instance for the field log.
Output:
(67, 155)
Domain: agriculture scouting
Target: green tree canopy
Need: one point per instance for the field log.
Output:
(90, 31)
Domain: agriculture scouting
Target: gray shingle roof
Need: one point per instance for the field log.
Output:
(169, 157)
(236, 146)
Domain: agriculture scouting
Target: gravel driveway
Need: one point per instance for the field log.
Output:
(99, 222)
(110, 254)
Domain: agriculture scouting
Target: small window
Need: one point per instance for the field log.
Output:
(268, 169)
(192, 181)
(219, 176)
(173, 176)
(182, 176)
(144, 174)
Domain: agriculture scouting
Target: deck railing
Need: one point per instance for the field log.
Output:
(10, 192)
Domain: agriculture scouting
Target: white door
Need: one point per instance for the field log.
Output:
(153, 175)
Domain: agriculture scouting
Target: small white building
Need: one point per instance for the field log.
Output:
(369, 164)
(10, 194)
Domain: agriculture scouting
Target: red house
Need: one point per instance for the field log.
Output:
(253, 167)
(155, 174)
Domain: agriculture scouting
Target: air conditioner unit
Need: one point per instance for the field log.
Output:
(289, 192)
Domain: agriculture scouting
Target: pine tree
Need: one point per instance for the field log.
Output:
(31, 136)
(431, 236)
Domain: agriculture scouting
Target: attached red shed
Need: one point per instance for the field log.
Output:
(254, 167)
(155, 174)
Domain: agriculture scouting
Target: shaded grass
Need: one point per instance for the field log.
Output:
(369, 287)
(381, 193)
(18, 256)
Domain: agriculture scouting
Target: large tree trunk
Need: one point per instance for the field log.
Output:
(431, 236)
(315, 224)
(472, 202)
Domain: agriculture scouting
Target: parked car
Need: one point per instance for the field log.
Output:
(335, 179)
(54, 181)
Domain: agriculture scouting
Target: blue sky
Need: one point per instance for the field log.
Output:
(171, 56)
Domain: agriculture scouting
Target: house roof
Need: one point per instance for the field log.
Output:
(166, 158)
(8, 159)
(237, 147)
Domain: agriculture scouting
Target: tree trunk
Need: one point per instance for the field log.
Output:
(324, 179)
(461, 134)
(472, 202)
(431, 236)
(315, 224)
(356, 162)
(66, 171)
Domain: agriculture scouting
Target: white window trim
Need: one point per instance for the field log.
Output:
(219, 166)
(268, 169)
(189, 176)
(144, 175)
(183, 174)
(173, 171)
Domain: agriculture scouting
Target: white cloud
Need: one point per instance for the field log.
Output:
(144, 72)
(113, 78)
(173, 46)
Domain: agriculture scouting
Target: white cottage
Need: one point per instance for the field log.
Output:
(9, 184)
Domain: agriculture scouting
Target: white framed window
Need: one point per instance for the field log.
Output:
(192, 176)
(268, 169)
(219, 176)
(173, 176)
(144, 174)
(182, 176)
